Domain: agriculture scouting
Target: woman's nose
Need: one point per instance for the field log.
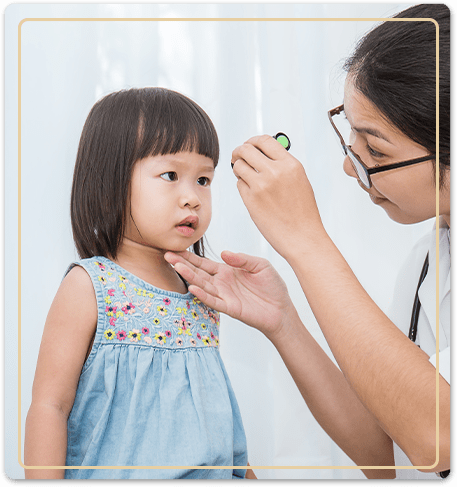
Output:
(349, 168)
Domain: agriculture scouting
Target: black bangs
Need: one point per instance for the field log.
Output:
(170, 123)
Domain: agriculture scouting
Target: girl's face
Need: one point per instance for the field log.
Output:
(170, 200)
(407, 194)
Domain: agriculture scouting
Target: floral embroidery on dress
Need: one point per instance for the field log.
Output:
(109, 334)
(128, 308)
(100, 266)
(162, 311)
(134, 335)
(121, 335)
(138, 315)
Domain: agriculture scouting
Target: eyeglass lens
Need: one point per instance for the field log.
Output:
(345, 130)
(359, 169)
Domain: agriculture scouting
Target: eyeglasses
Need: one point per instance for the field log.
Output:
(362, 170)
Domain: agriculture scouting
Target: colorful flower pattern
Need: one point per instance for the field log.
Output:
(138, 315)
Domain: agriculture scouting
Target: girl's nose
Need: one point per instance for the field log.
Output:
(190, 198)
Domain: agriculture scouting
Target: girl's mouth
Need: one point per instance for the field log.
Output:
(188, 225)
(187, 231)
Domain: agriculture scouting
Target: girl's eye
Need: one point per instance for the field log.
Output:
(169, 176)
(203, 181)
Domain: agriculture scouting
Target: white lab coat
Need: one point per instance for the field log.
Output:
(401, 309)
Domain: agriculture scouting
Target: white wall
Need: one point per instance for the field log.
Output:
(251, 77)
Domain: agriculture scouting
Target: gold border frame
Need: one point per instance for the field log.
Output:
(185, 19)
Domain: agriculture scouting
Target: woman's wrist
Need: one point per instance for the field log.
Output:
(306, 244)
(286, 328)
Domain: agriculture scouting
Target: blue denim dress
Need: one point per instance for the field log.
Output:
(153, 390)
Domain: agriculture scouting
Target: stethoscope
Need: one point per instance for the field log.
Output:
(417, 304)
(413, 326)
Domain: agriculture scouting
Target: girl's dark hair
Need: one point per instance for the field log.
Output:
(122, 128)
(394, 66)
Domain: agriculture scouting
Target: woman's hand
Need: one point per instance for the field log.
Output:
(276, 191)
(246, 288)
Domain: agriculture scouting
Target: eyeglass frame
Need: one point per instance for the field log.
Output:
(377, 168)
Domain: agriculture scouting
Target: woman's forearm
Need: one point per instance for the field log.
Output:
(45, 441)
(332, 401)
(392, 377)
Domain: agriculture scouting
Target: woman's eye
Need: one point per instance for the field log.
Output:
(374, 153)
(203, 181)
(169, 176)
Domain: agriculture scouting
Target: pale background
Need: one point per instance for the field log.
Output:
(251, 78)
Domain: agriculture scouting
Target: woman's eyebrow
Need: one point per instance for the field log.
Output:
(371, 131)
(368, 130)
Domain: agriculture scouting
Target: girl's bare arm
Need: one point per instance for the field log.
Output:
(67, 336)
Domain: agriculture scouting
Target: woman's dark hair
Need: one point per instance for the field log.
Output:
(394, 66)
(122, 128)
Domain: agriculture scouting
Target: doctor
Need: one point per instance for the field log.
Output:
(379, 406)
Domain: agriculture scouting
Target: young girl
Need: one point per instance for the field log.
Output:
(129, 372)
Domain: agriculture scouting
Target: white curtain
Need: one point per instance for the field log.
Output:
(251, 77)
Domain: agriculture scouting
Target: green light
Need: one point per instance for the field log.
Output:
(283, 140)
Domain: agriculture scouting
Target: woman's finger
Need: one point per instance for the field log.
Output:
(242, 186)
(252, 156)
(199, 278)
(210, 300)
(192, 261)
(246, 262)
(267, 145)
(244, 171)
